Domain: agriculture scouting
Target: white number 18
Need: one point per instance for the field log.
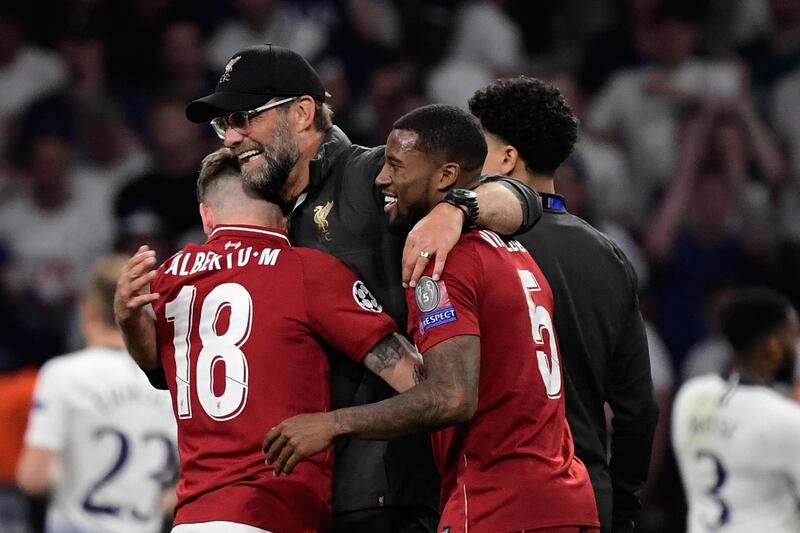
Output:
(215, 349)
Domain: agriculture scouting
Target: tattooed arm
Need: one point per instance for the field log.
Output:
(449, 395)
(396, 361)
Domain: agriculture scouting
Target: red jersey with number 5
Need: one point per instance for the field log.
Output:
(240, 324)
(512, 466)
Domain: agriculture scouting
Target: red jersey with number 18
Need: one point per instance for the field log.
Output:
(512, 466)
(239, 326)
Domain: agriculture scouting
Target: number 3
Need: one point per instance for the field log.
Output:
(540, 322)
(720, 475)
(215, 349)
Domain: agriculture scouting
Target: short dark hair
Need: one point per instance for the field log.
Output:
(751, 315)
(448, 132)
(532, 116)
(217, 164)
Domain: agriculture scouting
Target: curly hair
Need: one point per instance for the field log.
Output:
(530, 115)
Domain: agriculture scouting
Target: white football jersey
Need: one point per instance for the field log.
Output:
(115, 437)
(738, 449)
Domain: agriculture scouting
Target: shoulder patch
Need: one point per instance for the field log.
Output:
(427, 294)
(442, 311)
(364, 298)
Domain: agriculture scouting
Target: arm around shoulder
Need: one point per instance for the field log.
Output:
(507, 206)
(448, 396)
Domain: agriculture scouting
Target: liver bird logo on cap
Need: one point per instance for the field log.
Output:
(226, 76)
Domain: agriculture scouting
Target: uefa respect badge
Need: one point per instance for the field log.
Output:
(433, 301)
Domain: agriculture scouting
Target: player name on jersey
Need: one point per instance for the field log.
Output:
(496, 241)
(712, 424)
(121, 396)
(186, 263)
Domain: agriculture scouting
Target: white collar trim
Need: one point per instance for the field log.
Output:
(251, 230)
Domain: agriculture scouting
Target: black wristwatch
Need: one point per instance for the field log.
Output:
(462, 198)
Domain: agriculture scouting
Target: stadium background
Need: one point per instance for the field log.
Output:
(96, 155)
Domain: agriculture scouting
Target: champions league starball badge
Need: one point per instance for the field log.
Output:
(364, 298)
(427, 294)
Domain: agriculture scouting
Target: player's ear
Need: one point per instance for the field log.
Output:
(774, 349)
(207, 216)
(510, 160)
(303, 110)
(448, 176)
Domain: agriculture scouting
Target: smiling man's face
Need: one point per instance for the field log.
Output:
(267, 151)
(407, 181)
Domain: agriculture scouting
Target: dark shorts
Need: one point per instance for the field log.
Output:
(561, 529)
(416, 519)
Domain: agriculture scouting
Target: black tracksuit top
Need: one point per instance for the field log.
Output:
(341, 213)
(604, 354)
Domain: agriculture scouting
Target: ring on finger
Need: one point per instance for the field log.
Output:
(426, 255)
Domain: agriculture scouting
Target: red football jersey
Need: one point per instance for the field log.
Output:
(512, 466)
(240, 321)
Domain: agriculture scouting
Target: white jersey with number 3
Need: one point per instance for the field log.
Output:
(738, 449)
(115, 439)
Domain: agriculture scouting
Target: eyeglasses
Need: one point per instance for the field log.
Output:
(240, 120)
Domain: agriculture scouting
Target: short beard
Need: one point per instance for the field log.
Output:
(279, 160)
(402, 225)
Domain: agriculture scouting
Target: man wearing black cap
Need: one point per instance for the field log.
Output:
(269, 108)
(530, 130)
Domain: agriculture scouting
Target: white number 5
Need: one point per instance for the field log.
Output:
(215, 349)
(542, 321)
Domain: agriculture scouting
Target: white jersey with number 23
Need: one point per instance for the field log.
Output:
(115, 439)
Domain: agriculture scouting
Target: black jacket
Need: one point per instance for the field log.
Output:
(341, 213)
(604, 354)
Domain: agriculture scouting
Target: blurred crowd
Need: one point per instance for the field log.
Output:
(689, 152)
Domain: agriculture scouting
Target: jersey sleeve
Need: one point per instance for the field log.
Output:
(784, 454)
(440, 310)
(340, 308)
(49, 410)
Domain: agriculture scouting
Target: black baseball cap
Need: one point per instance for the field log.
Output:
(252, 77)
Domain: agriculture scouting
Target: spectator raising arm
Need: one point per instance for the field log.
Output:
(664, 229)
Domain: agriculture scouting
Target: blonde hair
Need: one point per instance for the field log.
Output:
(103, 284)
